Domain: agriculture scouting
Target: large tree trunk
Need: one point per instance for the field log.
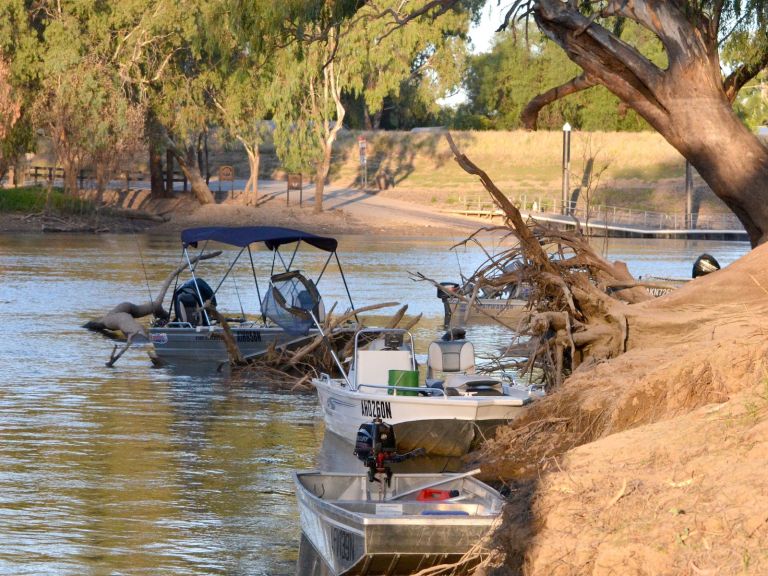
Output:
(71, 168)
(170, 160)
(252, 185)
(729, 158)
(686, 102)
(187, 160)
(327, 132)
(156, 171)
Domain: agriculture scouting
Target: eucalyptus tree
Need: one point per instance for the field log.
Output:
(244, 104)
(367, 53)
(689, 100)
(19, 73)
(81, 104)
(241, 92)
(508, 86)
(423, 61)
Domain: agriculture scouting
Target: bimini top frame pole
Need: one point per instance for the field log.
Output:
(273, 237)
(197, 288)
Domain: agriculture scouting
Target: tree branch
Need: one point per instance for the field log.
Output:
(530, 114)
(736, 80)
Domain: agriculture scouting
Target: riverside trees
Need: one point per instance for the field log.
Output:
(690, 100)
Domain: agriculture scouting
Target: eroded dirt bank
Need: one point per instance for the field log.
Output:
(654, 462)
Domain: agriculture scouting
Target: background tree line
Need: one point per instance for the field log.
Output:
(104, 79)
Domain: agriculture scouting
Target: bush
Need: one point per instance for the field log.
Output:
(33, 199)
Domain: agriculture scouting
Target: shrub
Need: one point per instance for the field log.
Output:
(33, 199)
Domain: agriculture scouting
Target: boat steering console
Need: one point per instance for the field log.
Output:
(376, 447)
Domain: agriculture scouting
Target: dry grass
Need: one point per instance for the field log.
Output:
(644, 171)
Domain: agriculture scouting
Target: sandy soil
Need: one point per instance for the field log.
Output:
(653, 462)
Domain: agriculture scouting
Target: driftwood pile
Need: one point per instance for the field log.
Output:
(578, 298)
(294, 368)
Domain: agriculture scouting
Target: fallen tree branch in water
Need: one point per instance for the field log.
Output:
(122, 318)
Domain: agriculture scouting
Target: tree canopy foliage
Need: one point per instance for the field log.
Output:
(96, 75)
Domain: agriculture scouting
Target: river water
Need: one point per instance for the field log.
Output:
(138, 470)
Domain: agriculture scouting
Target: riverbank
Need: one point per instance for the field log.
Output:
(651, 462)
(345, 211)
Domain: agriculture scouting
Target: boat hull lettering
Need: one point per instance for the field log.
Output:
(343, 545)
(376, 409)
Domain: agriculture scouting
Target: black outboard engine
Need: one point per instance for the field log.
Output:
(704, 265)
(445, 291)
(454, 334)
(376, 447)
(187, 303)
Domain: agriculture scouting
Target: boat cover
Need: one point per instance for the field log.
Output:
(271, 236)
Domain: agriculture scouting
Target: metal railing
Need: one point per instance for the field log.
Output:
(604, 215)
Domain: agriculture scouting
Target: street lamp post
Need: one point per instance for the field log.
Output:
(688, 195)
(566, 167)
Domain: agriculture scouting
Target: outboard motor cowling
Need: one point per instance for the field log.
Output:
(376, 447)
(705, 264)
(187, 303)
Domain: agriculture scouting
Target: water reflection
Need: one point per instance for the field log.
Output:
(182, 470)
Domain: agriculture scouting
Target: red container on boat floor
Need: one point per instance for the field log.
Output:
(430, 494)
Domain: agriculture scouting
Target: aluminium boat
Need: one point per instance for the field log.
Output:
(421, 520)
(288, 299)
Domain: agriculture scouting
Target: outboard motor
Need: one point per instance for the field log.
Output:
(454, 334)
(445, 291)
(187, 304)
(705, 264)
(376, 447)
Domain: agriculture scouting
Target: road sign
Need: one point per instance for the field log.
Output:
(226, 173)
(294, 183)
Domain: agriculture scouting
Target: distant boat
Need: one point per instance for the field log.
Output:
(464, 304)
(704, 264)
(286, 298)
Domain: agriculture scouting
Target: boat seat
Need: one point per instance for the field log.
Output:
(373, 366)
(451, 356)
(439, 385)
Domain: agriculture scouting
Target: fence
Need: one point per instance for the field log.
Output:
(86, 178)
(482, 205)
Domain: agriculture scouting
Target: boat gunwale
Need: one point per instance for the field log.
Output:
(364, 519)
(469, 401)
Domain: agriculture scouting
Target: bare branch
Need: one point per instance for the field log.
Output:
(530, 114)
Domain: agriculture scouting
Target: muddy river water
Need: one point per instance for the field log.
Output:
(138, 470)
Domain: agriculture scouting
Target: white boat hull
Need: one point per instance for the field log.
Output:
(441, 425)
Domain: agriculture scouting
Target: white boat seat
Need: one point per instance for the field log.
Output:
(373, 366)
(451, 356)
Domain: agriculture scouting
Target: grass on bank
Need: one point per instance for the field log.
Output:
(33, 199)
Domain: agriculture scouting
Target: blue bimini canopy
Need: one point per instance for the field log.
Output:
(272, 236)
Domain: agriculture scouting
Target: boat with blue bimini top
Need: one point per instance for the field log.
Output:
(289, 302)
(385, 523)
(447, 414)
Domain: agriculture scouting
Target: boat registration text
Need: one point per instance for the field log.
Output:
(376, 409)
